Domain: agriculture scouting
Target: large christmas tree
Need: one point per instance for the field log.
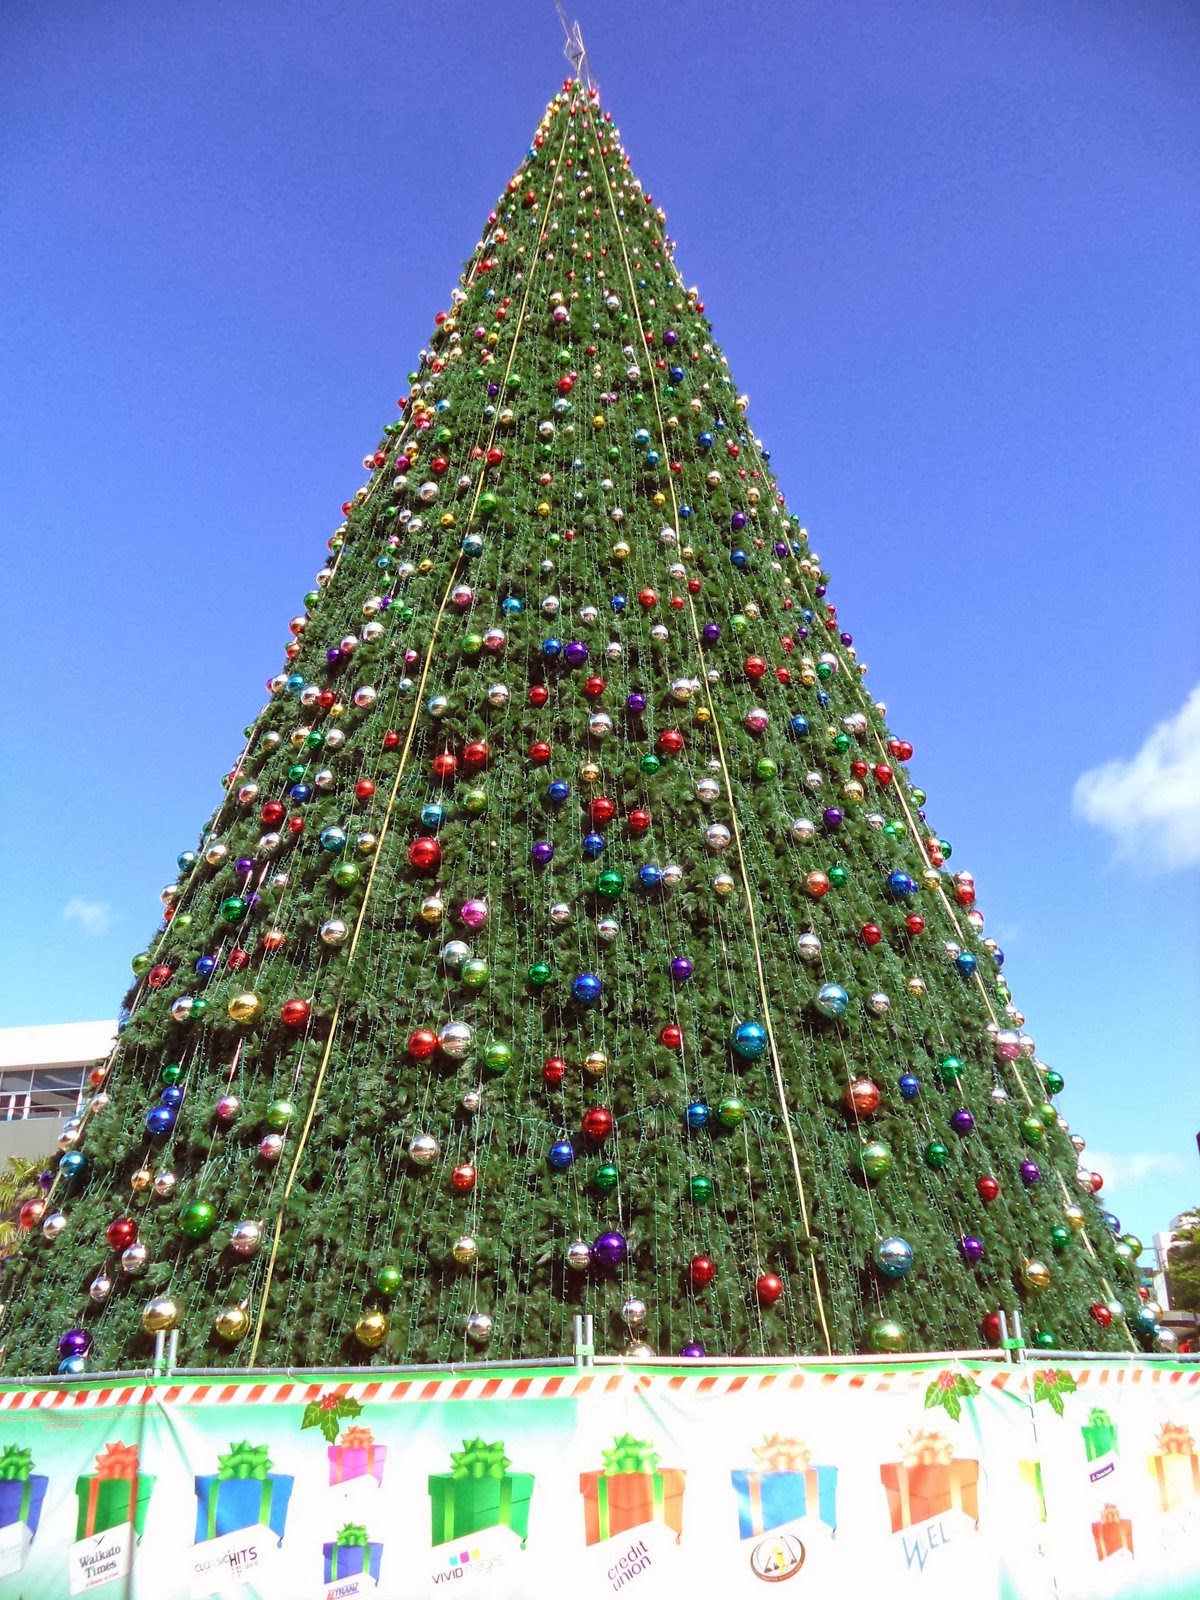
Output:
(570, 936)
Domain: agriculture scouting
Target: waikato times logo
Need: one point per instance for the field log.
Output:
(776, 1558)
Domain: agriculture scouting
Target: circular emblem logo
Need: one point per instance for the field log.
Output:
(779, 1556)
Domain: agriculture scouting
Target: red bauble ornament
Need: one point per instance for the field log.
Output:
(597, 1123)
(871, 934)
(272, 813)
(495, 456)
(237, 960)
(554, 1071)
(671, 1035)
(326, 698)
(964, 893)
(670, 741)
(538, 695)
(422, 1043)
(274, 939)
(754, 667)
(602, 809)
(539, 752)
(989, 1327)
(463, 1178)
(31, 1213)
(1101, 1314)
(391, 740)
(701, 1271)
(294, 1013)
(425, 854)
(648, 599)
(594, 688)
(364, 789)
(121, 1233)
(476, 753)
(1097, 1182)
(768, 1287)
(987, 1189)
(295, 824)
(915, 923)
(158, 976)
(445, 764)
(883, 773)
(784, 675)
(859, 769)
(639, 820)
(861, 1098)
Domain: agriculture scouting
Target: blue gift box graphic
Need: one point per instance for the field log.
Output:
(351, 1553)
(244, 1493)
(21, 1500)
(783, 1488)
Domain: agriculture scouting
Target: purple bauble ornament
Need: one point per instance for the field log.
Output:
(737, 521)
(670, 337)
(846, 638)
(681, 969)
(711, 632)
(962, 1121)
(493, 390)
(971, 1249)
(833, 818)
(781, 549)
(610, 1251)
(576, 653)
(75, 1342)
(542, 852)
(333, 655)
(474, 914)
(636, 703)
(692, 1352)
(822, 590)
(802, 633)
(1031, 1173)
(243, 866)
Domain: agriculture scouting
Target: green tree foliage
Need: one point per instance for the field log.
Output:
(570, 937)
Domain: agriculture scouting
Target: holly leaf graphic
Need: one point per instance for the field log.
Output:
(1051, 1385)
(328, 1412)
(948, 1391)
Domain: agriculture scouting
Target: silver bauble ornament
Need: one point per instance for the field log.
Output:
(634, 1312)
(471, 1101)
(135, 1258)
(53, 1225)
(456, 1039)
(479, 1327)
(608, 928)
(246, 1239)
(423, 1150)
(808, 947)
(99, 1289)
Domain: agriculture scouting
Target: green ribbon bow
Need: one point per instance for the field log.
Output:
(245, 1460)
(1098, 1418)
(630, 1455)
(477, 1459)
(353, 1534)
(16, 1463)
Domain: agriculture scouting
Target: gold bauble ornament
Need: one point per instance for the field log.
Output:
(231, 1323)
(160, 1314)
(1035, 1274)
(433, 909)
(658, 498)
(464, 1250)
(931, 878)
(141, 1180)
(916, 986)
(589, 772)
(595, 1064)
(371, 1329)
(245, 1007)
(723, 885)
(621, 550)
(703, 715)
(1074, 1217)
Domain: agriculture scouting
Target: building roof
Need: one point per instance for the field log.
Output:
(56, 1044)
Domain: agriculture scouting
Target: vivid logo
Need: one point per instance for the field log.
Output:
(456, 1566)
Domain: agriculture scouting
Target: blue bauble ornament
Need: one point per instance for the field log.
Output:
(642, 436)
(160, 1121)
(649, 876)
(799, 727)
(676, 374)
(822, 697)
(1113, 1222)
(552, 649)
(562, 1154)
(831, 1000)
(685, 511)
(171, 1096)
(72, 1164)
(295, 683)
(333, 840)
(510, 605)
(558, 793)
(749, 1040)
(697, 1115)
(72, 1366)
(186, 860)
(705, 441)
(901, 886)
(593, 844)
(739, 559)
(894, 1257)
(965, 963)
(587, 988)
(206, 966)
(472, 545)
(619, 602)
(909, 1086)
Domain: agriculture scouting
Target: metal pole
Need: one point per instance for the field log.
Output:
(585, 1347)
(173, 1350)
(160, 1340)
(1018, 1334)
(1005, 1342)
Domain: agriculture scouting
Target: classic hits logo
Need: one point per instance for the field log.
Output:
(779, 1556)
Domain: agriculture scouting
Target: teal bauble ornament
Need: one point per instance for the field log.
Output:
(831, 1000)
(894, 1257)
(749, 1040)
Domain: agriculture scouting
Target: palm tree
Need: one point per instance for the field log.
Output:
(18, 1183)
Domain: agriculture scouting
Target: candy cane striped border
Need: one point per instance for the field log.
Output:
(565, 1386)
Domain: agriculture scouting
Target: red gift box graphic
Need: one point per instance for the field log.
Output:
(928, 1481)
(1112, 1533)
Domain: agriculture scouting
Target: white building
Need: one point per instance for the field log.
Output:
(1162, 1246)
(43, 1080)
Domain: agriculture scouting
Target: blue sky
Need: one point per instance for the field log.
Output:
(951, 251)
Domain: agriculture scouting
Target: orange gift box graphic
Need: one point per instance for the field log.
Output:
(1112, 1533)
(632, 1489)
(928, 1481)
(1176, 1466)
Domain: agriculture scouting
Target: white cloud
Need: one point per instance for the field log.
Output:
(94, 917)
(1151, 803)
(1126, 1171)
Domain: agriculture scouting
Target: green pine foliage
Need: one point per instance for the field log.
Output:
(573, 462)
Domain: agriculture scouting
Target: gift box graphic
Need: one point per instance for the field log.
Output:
(1100, 1443)
(928, 1481)
(1176, 1466)
(356, 1455)
(783, 1486)
(1031, 1477)
(22, 1490)
(1112, 1533)
(479, 1492)
(115, 1493)
(630, 1490)
(242, 1493)
(350, 1553)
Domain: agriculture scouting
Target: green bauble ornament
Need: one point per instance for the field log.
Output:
(649, 764)
(296, 771)
(824, 670)
(886, 1336)
(1053, 1083)
(875, 1159)
(731, 1112)
(1060, 1237)
(141, 964)
(892, 830)
(345, 874)
(311, 598)
(487, 503)
(233, 909)
(183, 920)
(738, 623)
(279, 1114)
(610, 885)
(198, 1219)
(199, 1007)
(474, 972)
(950, 1069)
(765, 768)
(1032, 1130)
(172, 1073)
(842, 742)
(472, 644)
(314, 739)
(700, 1187)
(839, 877)
(1045, 1340)
(475, 802)
(919, 797)
(1047, 1115)
(606, 1178)
(498, 1056)
(936, 1154)
(540, 974)
(388, 1281)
